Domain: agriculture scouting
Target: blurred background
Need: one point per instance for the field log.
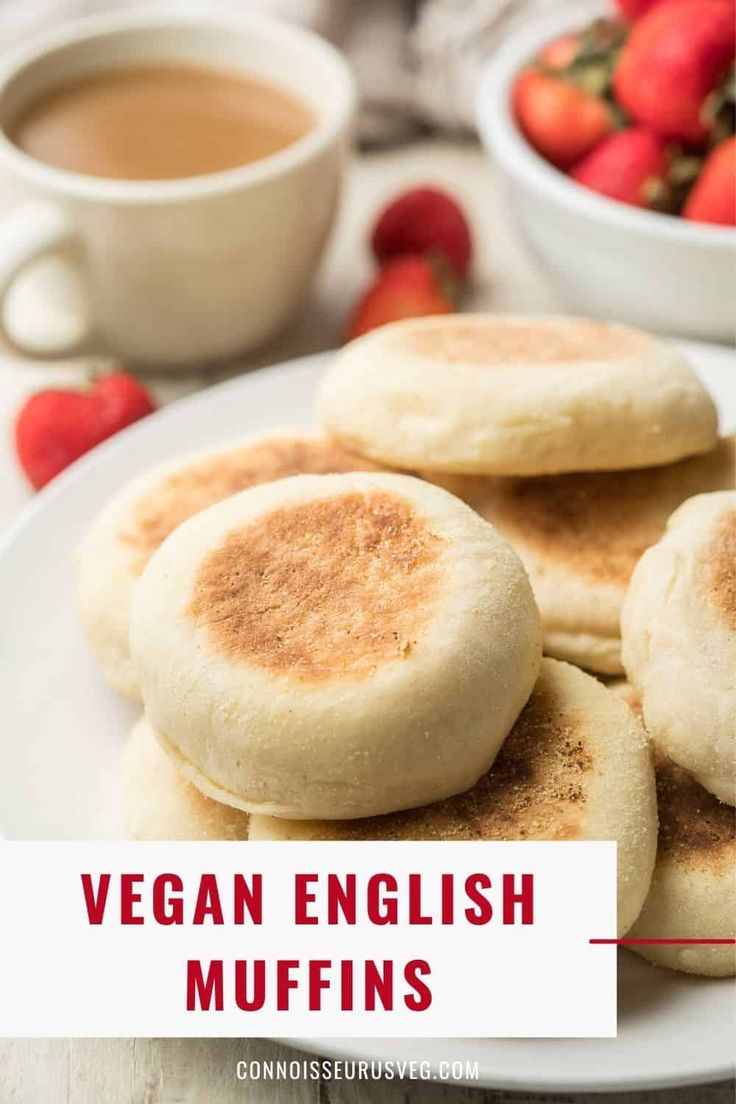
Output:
(545, 140)
(416, 65)
(416, 60)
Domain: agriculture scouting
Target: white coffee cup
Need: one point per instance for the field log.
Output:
(182, 272)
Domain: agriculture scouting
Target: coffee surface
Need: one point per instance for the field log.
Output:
(160, 122)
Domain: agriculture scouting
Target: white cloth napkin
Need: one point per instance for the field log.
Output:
(416, 60)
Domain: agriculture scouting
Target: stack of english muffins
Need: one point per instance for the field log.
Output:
(340, 635)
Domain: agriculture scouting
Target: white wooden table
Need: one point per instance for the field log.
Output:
(203, 1071)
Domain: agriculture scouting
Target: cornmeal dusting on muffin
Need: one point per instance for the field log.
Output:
(335, 586)
(694, 826)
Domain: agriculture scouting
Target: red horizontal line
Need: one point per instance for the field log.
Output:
(665, 942)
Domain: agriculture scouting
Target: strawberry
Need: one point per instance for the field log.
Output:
(424, 220)
(632, 166)
(675, 58)
(55, 427)
(407, 287)
(562, 99)
(713, 196)
(561, 121)
(631, 10)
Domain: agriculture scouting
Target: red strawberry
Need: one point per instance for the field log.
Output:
(631, 166)
(424, 220)
(713, 196)
(675, 58)
(632, 10)
(407, 287)
(55, 427)
(562, 121)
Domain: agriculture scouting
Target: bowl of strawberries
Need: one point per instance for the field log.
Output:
(613, 132)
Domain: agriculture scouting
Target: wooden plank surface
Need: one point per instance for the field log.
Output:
(203, 1071)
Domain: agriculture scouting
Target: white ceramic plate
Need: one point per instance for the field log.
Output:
(62, 730)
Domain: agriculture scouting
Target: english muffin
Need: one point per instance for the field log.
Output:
(123, 537)
(334, 646)
(693, 891)
(159, 803)
(679, 640)
(580, 535)
(501, 395)
(575, 767)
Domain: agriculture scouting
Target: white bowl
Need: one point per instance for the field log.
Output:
(607, 259)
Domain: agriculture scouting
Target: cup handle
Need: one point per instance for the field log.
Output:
(27, 234)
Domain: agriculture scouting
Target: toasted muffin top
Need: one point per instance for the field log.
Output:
(324, 588)
(494, 341)
(598, 524)
(695, 828)
(194, 486)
